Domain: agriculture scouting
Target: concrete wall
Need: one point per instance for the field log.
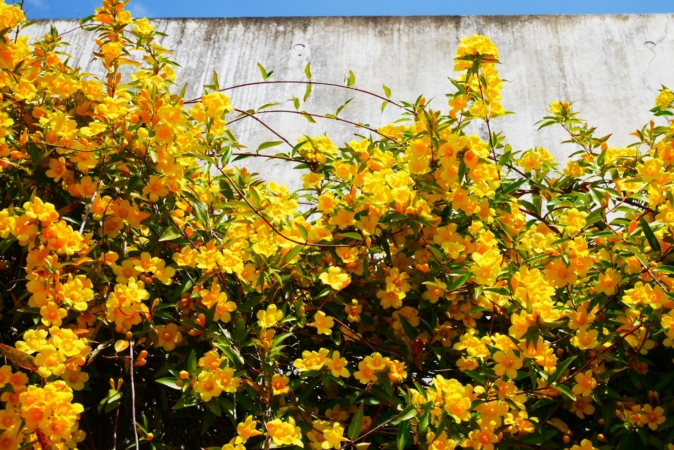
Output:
(610, 66)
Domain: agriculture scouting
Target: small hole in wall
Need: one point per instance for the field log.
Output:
(650, 44)
(299, 48)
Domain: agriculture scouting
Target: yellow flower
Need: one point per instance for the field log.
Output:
(52, 314)
(216, 104)
(285, 433)
(50, 361)
(269, 318)
(168, 336)
(439, 442)
(335, 278)
(574, 220)
(75, 379)
(5, 375)
(334, 436)
(322, 323)
(365, 373)
(155, 188)
(112, 50)
(279, 384)
(652, 417)
(311, 360)
(353, 311)
(311, 179)
(584, 339)
(608, 282)
(582, 406)
(246, 430)
(585, 384)
(143, 26)
(507, 363)
(207, 386)
(585, 444)
(57, 168)
(337, 365)
(25, 90)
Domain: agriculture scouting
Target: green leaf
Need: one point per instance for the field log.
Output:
(406, 414)
(652, 240)
(192, 363)
(263, 71)
(186, 400)
(307, 70)
(410, 331)
(459, 282)
(352, 235)
(308, 117)
(254, 197)
(208, 420)
(642, 435)
(307, 93)
(269, 144)
(663, 268)
(292, 254)
(170, 234)
(308, 391)
(566, 391)
(561, 367)
(476, 376)
(339, 110)
(507, 189)
(214, 406)
(387, 91)
(170, 382)
(423, 423)
(351, 80)
(607, 414)
(403, 434)
(296, 102)
(436, 252)
(356, 423)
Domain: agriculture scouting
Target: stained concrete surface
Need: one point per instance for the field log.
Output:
(611, 66)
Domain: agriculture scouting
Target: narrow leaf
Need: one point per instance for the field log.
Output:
(561, 367)
(356, 423)
(652, 240)
(387, 91)
(21, 359)
(269, 144)
(566, 391)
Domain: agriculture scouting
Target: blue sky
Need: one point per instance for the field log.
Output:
(41, 9)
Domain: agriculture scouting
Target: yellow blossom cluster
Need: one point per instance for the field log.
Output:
(481, 296)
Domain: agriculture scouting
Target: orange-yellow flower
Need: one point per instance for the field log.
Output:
(507, 363)
(168, 336)
(269, 318)
(337, 365)
(246, 430)
(322, 323)
(336, 278)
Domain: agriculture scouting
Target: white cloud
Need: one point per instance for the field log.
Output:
(137, 9)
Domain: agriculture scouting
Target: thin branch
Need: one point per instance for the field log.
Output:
(247, 114)
(316, 83)
(133, 398)
(320, 116)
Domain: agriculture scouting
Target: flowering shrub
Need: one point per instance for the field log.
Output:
(426, 288)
